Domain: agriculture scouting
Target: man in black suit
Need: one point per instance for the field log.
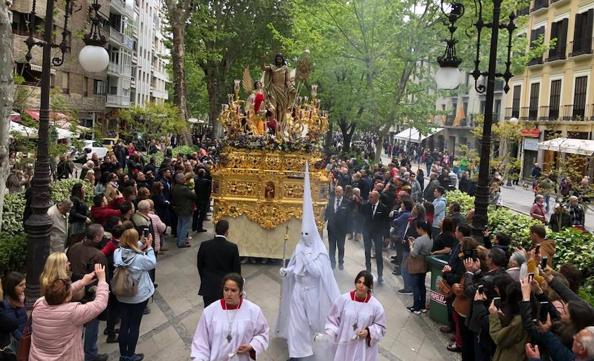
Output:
(337, 213)
(216, 258)
(203, 188)
(376, 222)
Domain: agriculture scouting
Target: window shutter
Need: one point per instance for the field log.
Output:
(562, 38)
(587, 37)
(577, 33)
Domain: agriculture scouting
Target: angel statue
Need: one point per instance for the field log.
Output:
(253, 106)
(279, 88)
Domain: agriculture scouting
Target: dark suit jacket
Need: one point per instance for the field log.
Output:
(203, 188)
(378, 223)
(338, 221)
(216, 258)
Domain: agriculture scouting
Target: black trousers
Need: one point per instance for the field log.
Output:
(336, 240)
(375, 240)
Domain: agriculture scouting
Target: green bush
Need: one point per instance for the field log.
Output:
(587, 290)
(573, 246)
(13, 246)
(13, 251)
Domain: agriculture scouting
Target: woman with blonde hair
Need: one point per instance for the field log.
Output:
(57, 267)
(139, 261)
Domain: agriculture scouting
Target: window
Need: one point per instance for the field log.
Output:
(579, 97)
(555, 99)
(559, 32)
(114, 55)
(85, 86)
(99, 87)
(582, 38)
(66, 83)
(536, 35)
(534, 93)
(516, 101)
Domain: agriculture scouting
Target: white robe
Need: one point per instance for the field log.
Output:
(344, 315)
(248, 326)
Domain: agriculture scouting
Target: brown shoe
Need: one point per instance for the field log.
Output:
(445, 329)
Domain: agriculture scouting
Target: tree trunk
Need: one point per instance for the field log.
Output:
(328, 138)
(379, 146)
(6, 95)
(179, 74)
(347, 129)
(212, 87)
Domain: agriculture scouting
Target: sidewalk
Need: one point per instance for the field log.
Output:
(166, 333)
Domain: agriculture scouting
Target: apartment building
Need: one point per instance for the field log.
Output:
(553, 94)
(81, 92)
(458, 114)
(150, 61)
(136, 73)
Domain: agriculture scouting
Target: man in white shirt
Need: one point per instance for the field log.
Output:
(59, 231)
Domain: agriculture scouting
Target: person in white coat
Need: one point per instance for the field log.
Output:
(308, 287)
(357, 323)
(232, 329)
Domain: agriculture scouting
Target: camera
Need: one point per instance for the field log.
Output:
(470, 253)
(145, 233)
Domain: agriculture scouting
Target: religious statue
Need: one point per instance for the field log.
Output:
(278, 85)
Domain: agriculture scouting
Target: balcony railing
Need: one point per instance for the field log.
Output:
(557, 2)
(557, 53)
(574, 112)
(511, 113)
(580, 48)
(523, 11)
(539, 4)
(116, 36)
(449, 121)
(535, 61)
(548, 113)
(527, 113)
(117, 101)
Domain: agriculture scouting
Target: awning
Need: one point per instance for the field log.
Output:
(19, 129)
(61, 120)
(413, 135)
(568, 145)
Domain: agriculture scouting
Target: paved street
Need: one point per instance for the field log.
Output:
(167, 331)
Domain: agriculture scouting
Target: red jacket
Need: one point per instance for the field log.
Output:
(102, 214)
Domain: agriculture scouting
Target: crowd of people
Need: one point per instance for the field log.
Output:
(503, 303)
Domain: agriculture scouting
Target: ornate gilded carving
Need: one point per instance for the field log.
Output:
(266, 187)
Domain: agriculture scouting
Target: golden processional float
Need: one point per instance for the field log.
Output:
(258, 184)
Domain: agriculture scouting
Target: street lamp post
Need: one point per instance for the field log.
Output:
(38, 225)
(449, 59)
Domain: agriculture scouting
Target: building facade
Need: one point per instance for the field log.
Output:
(553, 95)
(136, 73)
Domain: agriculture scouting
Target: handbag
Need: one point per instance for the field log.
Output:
(461, 303)
(122, 282)
(444, 288)
(416, 265)
(22, 352)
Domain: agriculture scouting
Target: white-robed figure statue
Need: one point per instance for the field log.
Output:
(356, 323)
(309, 288)
(232, 329)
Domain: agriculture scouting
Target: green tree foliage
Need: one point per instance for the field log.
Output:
(155, 119)
(224, 36)
(371, 60)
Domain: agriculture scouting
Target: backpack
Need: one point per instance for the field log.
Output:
(122, 283)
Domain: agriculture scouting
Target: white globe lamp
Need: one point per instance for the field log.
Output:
(447, 78)
(93, 58)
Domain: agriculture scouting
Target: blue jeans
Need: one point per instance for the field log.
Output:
(419, 291)
(131, 315)
(90, 343)
(183, 226)
(406, 277)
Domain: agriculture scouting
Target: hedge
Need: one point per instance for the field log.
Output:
(573, 246)
(13, 247)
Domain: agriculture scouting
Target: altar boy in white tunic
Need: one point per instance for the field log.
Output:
(356, 322)
(308, 288)
(232, 329)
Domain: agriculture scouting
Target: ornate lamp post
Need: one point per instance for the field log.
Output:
(39, 223)
(450, 60)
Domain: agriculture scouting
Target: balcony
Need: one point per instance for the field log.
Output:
(116, 37)
(581, 48)
(120, 7)
(117, 101)
(574, 112)
(558, 2)
(535, 61)
(539, 5)
(523, 11)
(449, 120)
(557, 53)
(527, 113)
(160, 94)
(548, 113)
(511, 113)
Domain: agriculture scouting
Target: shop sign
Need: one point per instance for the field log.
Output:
(531, 144)
(530, 133)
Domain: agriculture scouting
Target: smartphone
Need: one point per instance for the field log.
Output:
(530, 277)
(543, 311)
(145, 233)
(497, 301)
(481, 289)
(543, 262)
